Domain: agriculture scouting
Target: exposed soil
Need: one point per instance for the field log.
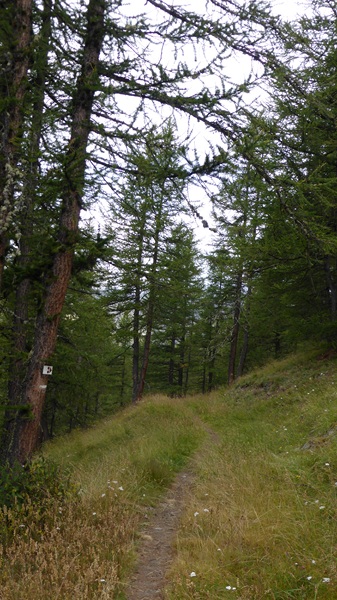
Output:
(155, 552)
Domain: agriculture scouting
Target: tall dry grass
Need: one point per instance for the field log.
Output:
(83, 547)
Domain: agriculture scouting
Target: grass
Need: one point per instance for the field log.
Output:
(270, 530)
(84, 547)
(260, 520)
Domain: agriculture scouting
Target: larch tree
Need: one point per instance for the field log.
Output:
(15, 53)
(23, 430)
(104, 74)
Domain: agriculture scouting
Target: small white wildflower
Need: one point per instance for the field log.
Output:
(309, 578)
(313, 562)
(196, 513)
(94, 514)
(22, 525)
(115, 482)
(193, 574)
(322, 507)
(218, 549)
(316, 501)
(228, 587)
(102, 495)
(121, 488)
(102, 580)
(206, 510)
(327, 464)
(326, 579)
(58, 528)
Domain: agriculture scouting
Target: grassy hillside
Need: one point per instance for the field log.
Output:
(260, 519)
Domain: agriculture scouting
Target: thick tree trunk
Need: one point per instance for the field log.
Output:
(20, 316)
(23, 432)
(14, 63)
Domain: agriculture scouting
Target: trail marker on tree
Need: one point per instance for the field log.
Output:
(47, 370)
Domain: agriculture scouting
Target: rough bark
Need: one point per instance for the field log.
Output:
(20, 316)
(14, 63)
(23, 431)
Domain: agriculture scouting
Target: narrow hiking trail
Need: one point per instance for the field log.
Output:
(156, 550)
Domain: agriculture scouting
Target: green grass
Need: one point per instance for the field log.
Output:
(265, 493)
(269, 487)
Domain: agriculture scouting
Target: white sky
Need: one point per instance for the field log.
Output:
(235, 68)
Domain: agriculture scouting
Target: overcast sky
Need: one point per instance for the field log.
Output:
(237, 69)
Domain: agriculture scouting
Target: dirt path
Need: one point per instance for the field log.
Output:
(156, 550)
(155, 553)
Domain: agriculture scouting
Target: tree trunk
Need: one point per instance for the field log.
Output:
(332, 287)
(171, 361)
(211, 366)
(23, 431)
(244, 349)
(150, 310)
(135, 345)
(14, 63)
(235, 329)
(20, 316)
(187, 371)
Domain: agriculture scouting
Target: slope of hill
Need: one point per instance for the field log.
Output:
(257, 518)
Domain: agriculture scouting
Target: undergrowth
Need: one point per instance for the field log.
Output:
(260, 520)
(84, 546)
